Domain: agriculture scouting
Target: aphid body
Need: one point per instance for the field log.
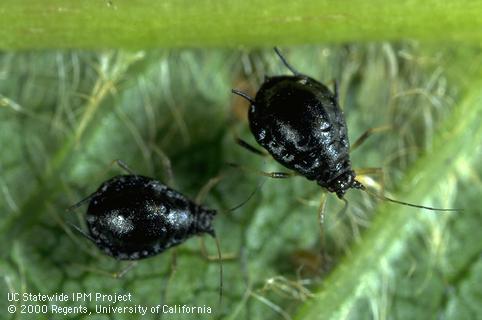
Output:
(133, 217)
(299, 122)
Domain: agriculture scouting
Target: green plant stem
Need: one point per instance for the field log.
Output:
(31, 24)
(454, 141)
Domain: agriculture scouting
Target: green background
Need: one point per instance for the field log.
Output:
(66, 114)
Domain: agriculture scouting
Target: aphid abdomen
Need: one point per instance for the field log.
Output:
(133, 217)
(300, 124)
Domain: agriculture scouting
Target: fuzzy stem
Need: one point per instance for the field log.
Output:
(31, 24)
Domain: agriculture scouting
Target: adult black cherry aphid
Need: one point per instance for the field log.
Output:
(298, 120)
(132, 217)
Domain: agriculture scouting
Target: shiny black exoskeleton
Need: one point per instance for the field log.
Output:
(299, 122)
(133, 217)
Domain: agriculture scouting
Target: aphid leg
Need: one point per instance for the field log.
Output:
(218, 246)
(93, 270)
(82, 232)
(278, 175)
(321, 217)
(81, 202)
(207, 187)
(368, 133)
(335, 92)
(123, 272)
(199, 199)
(251, 148)
(288, 288)
(166, 166)
(71, 230)
(116, 275)
(273, 306)
(240, 141)
(220, 257)
(274, 175)
(168, 281)
(285, 62)
(205, 254)
(123, 166)
(321, 210)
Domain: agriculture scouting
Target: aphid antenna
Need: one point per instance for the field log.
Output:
(243, 95)
(385, 198)
(214, 181)
(251, 195)
(285, 62)
(207, 187)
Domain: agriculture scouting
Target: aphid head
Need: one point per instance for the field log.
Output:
(343, 182)
(204, 223)
(347, 180)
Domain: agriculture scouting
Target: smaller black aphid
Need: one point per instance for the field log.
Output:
(298, 120)
(132, 217)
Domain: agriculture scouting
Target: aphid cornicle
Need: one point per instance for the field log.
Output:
(298, 120)
(133, 217)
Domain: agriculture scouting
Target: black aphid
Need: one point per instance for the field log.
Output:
(132, 217)
(298, 120)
